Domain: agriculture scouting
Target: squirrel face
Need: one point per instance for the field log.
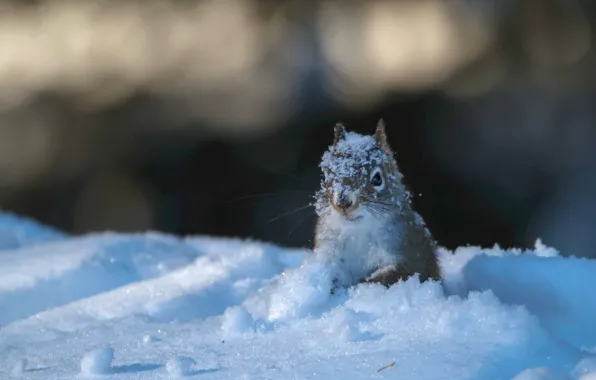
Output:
(361, 177)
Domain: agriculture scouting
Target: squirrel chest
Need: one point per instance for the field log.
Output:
(359, 248)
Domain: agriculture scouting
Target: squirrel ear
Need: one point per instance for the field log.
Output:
(380, 134)
(340, 132)
(381, 138)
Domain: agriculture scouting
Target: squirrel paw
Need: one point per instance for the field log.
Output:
(387, 276)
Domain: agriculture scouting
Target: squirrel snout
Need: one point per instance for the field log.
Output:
(344, 202)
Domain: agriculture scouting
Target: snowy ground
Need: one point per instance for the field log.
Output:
(155, 307)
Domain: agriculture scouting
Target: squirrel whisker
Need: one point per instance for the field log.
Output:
(262, 195)
(387, 205)
(285, 173)
(376, 211)
(300, 222)
(288, 213)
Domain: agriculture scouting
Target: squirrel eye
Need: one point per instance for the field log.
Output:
(376, 180)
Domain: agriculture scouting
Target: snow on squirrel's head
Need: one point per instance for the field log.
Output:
(361, 177)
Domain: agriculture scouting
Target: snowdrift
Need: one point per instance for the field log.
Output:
(152, 306)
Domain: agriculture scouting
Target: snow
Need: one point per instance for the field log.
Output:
(19, 368)
(540, 373)
(153, 306)
(236, 321)
(149, 339)
(16, 231)
(98, 361)
(585, 367)
(352, 151)
(180, 366)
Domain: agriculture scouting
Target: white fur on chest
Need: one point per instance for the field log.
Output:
(357, 248)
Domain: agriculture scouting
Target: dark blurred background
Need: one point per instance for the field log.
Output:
(210, 117)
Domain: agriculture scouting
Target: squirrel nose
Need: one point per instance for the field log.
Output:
(343, 201)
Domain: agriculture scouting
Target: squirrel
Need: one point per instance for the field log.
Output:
(366, 226)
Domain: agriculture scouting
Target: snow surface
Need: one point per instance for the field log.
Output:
(152, 306)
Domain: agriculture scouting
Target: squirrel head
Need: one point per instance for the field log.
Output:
(361, 177)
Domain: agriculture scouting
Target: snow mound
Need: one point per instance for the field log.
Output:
(180, 366)
(41, 277)
(16, 232)
(551, 287)
(149, 339)
(236, 321)
(586, 367)
(97, 361)
(295, 294)
(19, 368)
(233, 309)
(541, 373)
